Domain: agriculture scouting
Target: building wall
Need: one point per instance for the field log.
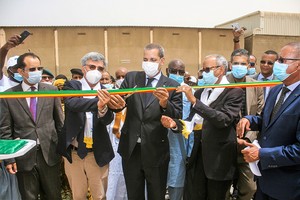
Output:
(61, 48)
(258, 44)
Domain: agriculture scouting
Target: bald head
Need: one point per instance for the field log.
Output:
(121, 72)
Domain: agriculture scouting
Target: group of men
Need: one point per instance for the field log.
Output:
(228, 117)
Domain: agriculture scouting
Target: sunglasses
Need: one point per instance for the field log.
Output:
(93, 67)
(47, 77)
(207, 69)
(252, 64)
(264, 62)
(35, 68)
(177, 71)
(282, 60)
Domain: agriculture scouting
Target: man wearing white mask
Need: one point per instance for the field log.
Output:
(84, 141)
(39, 119)
(252, 104)
(144, 145)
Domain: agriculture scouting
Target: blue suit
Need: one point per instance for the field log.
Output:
(280, 146)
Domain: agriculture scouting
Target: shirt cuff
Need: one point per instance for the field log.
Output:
(102, 112)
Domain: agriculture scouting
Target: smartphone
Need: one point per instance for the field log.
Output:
(24, 35)
(235, 26)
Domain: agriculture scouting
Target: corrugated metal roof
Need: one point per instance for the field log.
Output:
(268, 23)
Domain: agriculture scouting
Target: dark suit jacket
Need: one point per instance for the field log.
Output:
(75, 108)
(144, 120)
(254, 102)
(280, 146)
(218, 137)
(16, 122)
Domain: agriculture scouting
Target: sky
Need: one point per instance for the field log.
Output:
(173, 13)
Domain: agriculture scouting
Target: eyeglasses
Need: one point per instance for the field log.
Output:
(35, 68)
(207, 69)
(175, 71)
(47, 77)
(282, 60)
(93, 67)
(264, 62)
(252, 64)
(239, 63)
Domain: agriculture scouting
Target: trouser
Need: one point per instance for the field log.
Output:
(86, 173)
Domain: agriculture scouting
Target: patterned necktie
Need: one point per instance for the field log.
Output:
(264, 88)
(33, 104)
(280, 101)
(148, 94)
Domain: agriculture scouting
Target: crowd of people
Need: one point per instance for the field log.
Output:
(187, 143)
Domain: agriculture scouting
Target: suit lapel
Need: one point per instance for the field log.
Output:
(269, 105)
(161, 82)
(292, 97)
(23, 101)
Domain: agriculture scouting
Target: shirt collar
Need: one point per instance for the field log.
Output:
(157, 77)
(260, 77)
(26, 87)
(293, 86)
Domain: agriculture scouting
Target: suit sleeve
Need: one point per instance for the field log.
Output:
(224, 117)
(79, 104)
(174, 106)
(6, 125)
(281, 156)
(58, 115)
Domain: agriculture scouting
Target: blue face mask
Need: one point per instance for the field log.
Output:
(239, 71)
(18, 77)
(279, 70)
(251, 71)
(176, 77)
(34, 77)
(201, 82)
(108, 86)
(209, 78)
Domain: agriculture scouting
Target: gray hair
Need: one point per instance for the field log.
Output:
(240, 52)
(220, 60)
(156, 46)
(95, 56)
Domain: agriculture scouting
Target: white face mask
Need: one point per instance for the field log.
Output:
(34, 77)
(119, 82)
(93, 76)
(150, 68)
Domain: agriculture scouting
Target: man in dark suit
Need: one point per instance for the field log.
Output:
(38, 119)
(85, 142)
(215, 147)
(144, 145)
(279, 126)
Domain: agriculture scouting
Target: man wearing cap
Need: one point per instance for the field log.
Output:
(76, 74)
(14, 77)
(47, 77)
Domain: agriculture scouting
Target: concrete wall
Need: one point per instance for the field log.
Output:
(61, 48)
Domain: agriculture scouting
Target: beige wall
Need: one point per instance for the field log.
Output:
(258, 44)
(61, 48)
